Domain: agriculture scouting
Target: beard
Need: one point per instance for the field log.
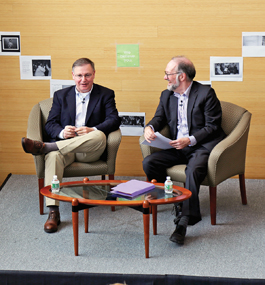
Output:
(173, 87)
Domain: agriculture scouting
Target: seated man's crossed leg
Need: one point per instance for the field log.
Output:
(60, 154)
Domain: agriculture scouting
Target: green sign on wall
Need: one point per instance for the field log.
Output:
(127, 55)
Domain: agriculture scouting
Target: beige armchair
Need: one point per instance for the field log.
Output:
(227, 159)
(36, 121)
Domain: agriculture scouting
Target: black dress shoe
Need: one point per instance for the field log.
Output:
(52, 222)
(178, 235)
(33, 147)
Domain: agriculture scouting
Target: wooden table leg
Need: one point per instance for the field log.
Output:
(86, 218)
(75, 224)
(146, 220)
(154, 215)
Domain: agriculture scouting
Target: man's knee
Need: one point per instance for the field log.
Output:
(100, 138)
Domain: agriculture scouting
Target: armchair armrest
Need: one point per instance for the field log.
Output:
(147, 150)
(113, 142)
(228, 157)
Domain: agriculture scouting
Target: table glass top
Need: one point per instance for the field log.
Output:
(102, 191)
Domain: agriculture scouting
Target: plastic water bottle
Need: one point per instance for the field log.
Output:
(168, 186)
(55, 184)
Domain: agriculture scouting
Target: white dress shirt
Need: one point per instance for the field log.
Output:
(183, 130)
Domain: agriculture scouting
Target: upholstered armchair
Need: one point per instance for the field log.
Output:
(36, 122)
(226, 160)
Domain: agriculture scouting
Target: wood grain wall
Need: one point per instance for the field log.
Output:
(67, 30)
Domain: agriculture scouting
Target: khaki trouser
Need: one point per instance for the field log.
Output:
(87, 148)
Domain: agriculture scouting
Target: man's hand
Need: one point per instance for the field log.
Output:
(69, 132)
(83, 130)
(149, 134)
(180, 143)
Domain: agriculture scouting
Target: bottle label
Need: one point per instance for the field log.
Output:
(55, 187)
(168, 188)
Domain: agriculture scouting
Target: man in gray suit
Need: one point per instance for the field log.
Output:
(193, 113)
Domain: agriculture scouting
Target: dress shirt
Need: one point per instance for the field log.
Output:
(183, 130)
(82, 100)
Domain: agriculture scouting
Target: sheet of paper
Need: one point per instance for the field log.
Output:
(35, 67)
(253, 44)
(56, 84)
(159, 142)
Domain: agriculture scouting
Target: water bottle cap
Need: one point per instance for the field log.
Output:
(168, 177)
(54, 176)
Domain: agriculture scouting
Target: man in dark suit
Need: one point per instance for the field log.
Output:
(80, 119)
(194, 115)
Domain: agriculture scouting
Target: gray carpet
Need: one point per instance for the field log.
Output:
(235, 247)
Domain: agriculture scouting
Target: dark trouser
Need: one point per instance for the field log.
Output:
(155, 166)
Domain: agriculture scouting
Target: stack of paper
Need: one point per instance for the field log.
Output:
(132, 188)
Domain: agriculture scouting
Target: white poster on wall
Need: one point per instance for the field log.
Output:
(35, 67)
(56, 84)
(209, 83)
(253, 44)
(226, 68)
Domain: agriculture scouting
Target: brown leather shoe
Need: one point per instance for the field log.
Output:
(33, 147)
(52, 222)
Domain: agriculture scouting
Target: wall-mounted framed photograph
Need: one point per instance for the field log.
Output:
(10, 43)
(35, 67)
(226, 68)
(132, 123)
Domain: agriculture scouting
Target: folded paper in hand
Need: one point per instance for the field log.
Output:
(132, 188)
(159, 142)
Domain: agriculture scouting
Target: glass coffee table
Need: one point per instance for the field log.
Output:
(86, 194)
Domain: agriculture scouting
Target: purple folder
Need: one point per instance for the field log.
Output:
(132, 188)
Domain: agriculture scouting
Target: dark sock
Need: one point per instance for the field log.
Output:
(53, 208)
(50, 147)
(184, 221)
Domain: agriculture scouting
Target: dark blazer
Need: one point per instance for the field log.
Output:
(204, 115)
(101, 111)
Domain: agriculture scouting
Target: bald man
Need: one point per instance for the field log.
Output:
(193, 113)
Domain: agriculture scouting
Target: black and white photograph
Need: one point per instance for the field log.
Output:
(41, 67)
(35, 67)
(253, 44)
(226, 68)
(253, 40)
(10, 43)
(132, 123)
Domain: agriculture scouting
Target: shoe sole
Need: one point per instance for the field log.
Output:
(23, 144)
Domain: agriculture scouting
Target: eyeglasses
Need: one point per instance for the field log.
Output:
(167, 74)
(80, 76)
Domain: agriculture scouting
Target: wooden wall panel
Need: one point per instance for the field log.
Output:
(67, 30)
